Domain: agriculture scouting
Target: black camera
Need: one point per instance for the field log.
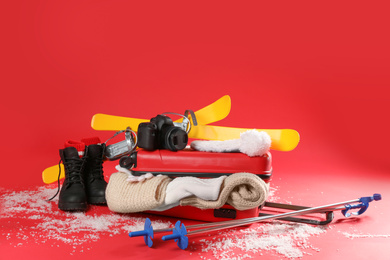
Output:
(161, 133)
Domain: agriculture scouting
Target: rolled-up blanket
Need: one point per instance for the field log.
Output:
(241, 190)
(127, 197)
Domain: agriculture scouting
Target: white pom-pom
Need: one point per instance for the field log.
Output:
(255, 143)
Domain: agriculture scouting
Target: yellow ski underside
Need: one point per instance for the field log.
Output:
(214, 112)
(207, 115)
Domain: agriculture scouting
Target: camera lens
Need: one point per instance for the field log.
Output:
(176, 139)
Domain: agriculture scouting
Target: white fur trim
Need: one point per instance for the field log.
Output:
(251, 143)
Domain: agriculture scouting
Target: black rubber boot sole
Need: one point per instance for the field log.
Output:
(67, 206)
(97, 200)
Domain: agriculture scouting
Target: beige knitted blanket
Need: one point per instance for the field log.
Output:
(241, 190)
(127, 197)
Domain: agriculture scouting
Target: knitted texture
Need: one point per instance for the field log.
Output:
(91, 140)
(80, 146)
(241, 190)
(127, 197)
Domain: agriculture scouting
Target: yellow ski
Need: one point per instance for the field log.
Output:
(214, 112)
(207, 115)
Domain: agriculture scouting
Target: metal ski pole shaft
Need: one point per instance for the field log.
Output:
(320, 209)
(180, 232)
(345, 206)
(243, 222)
(222, 223)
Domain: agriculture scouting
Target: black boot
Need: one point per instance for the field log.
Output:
(93, 174)
(72, 195)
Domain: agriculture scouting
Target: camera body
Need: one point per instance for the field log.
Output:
(161, 133)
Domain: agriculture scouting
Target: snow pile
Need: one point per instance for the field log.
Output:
(289, 240)
(39, 221)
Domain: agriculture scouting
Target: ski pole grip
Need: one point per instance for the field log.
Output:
(138, 233)
(377, 196)
(365, 201)
(170, 237)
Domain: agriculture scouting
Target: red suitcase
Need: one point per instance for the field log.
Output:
(200, 164)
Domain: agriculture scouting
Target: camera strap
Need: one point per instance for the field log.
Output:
(186, 123)
(115, 151)
(129, 139)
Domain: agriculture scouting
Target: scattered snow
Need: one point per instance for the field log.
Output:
(35, 220)
(352, 236)
(288, 240)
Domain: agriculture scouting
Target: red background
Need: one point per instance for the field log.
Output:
(319, 68)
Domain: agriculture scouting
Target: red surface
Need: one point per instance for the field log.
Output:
(322, 69)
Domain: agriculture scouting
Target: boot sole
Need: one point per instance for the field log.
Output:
(97, 200)
(79, 206)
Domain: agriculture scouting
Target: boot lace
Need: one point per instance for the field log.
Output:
(73, 167)
(96, 165)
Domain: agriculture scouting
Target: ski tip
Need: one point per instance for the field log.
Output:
(93, 120)
(223, 106)
(103, 121)
(288, 141)
(50, 174)
(227, 102)
(226, 98)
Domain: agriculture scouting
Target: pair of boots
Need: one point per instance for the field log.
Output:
(84, 181)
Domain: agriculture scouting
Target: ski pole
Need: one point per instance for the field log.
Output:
(180, 232)
(148, 230)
